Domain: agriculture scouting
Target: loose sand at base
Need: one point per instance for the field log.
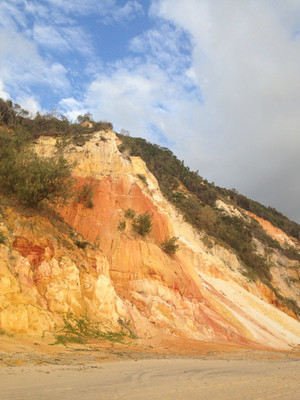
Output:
(159, 368)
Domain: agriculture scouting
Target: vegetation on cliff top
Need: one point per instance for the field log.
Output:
(25, 175)
(49, 124)
(29, 177)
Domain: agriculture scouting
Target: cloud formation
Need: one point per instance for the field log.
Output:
(246, 60)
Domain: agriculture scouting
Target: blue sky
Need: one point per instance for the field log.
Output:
(216, 81)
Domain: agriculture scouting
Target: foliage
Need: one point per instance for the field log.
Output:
(142, 178)
(122, 226)
(129, 213)
(3, 333)
(270, 214)
(207, 241)
(142, 224)
(79, 139)
(49, 124)
(11, 114)
(103, 126)
(81, 329)
(169, 245)
(84, 118)
(288, 302)
(2, 238)
(81, 243)
(207, 218)
(29, 177)
(85, 195)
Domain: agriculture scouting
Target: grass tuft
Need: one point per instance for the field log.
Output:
(81, 330)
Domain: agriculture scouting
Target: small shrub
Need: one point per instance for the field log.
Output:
(142, 224)
(169, 245)
(3, 333)
(103, 126)
(207, 242)
(81, 244)
(2, 238)
(122, 226)
(142, 178)
(81, 139)
(85, 195)
(129, 213)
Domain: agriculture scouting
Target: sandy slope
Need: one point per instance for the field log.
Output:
(156, 379)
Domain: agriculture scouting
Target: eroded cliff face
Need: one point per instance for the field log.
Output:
(199, 292)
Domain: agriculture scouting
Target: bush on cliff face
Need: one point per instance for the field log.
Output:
(29, 177)
(142, 224)
(86, 194)
(170, 246)
(2, 238)
(129, 213)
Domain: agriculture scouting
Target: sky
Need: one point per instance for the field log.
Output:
(216, 81)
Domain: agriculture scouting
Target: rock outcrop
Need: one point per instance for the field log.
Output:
(200, 292)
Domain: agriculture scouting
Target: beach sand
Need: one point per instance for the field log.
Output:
(160, 368)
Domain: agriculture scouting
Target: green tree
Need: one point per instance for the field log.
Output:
(43, 179)
(85, 117)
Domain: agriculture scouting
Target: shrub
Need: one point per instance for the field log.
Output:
(2, 238)
(169, 245)
(85, 195)
(30, 177)
(142, 178)
(142, 224)
(122, 226)
(81, 244)
(207, 242)
(129, 213)
(103, 126)
(43, 178)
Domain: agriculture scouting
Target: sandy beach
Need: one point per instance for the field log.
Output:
(155, 379)
(33, 370)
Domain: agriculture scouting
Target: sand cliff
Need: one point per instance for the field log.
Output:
(200, 292)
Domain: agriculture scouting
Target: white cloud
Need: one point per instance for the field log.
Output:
(109, 10)
(246, 61)
(165, 46)
(11, 16)
(29, 104)
(139, 97)
(129, 11)
(62, 39)
(3, 94)
(21, 65)
(72, 108)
